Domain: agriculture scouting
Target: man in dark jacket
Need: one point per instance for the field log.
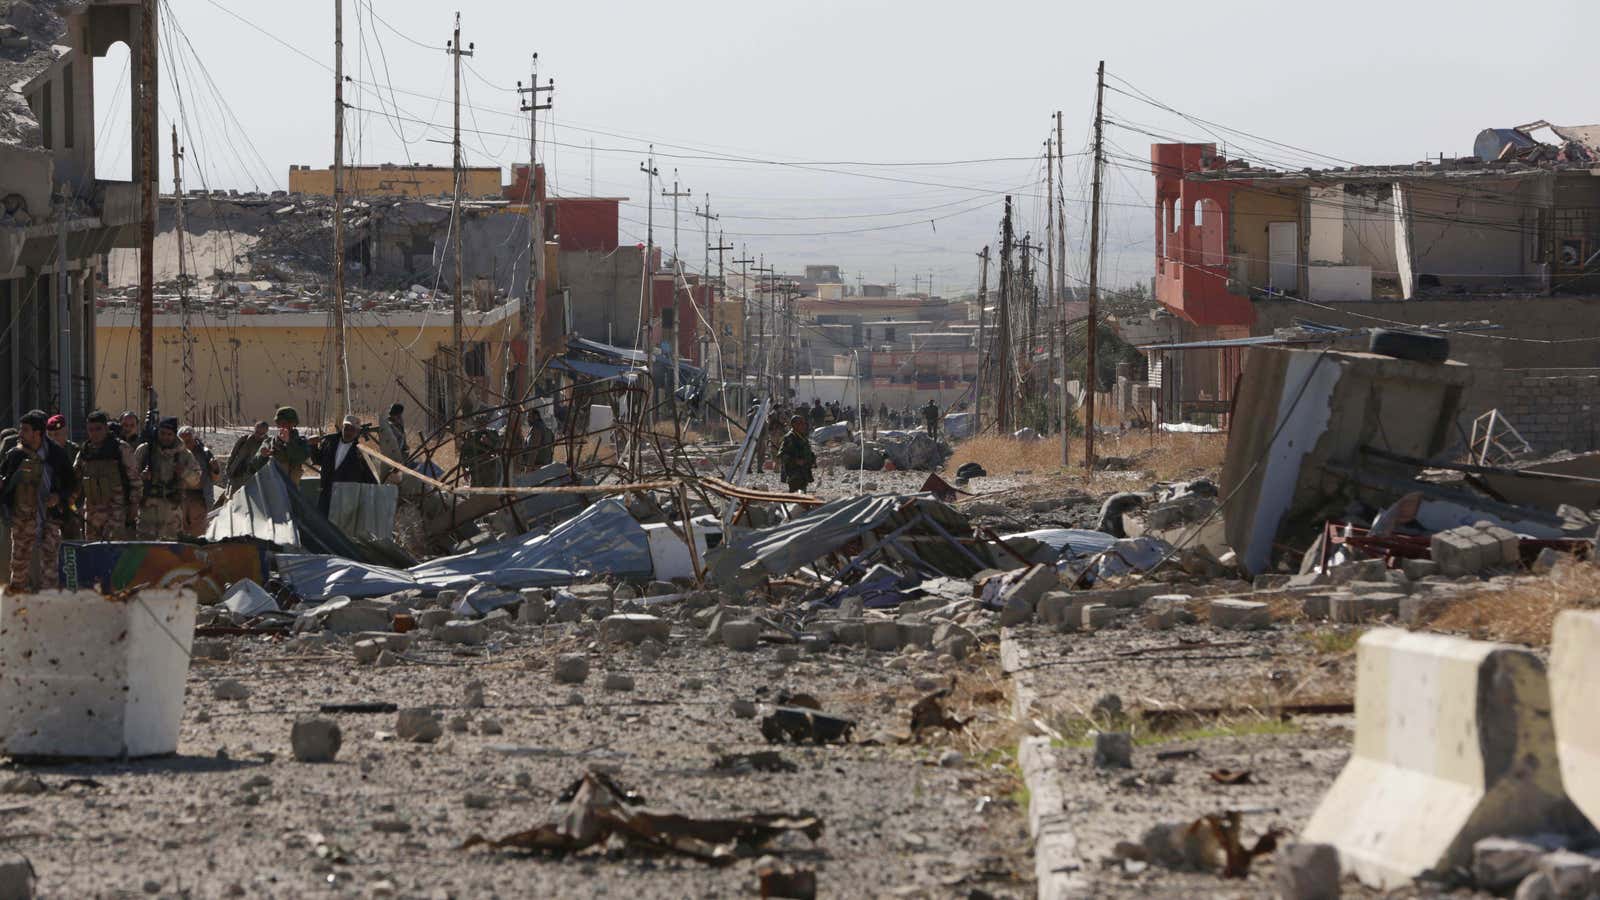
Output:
(36, 480)
(340, 462)
(795, 456)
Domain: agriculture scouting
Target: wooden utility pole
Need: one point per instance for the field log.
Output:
(342, 379)
(1025, 367)
(460, 369)
(529, 306)
(1061, 298)
(647, 288)
(1090, 378)
(147, 200)
(187, 337)
(983, 348)
(1051, 314)
(1006, 387)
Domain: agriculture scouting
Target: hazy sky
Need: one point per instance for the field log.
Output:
(834, 85)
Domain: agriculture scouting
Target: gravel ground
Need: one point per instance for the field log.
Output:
(234, 815)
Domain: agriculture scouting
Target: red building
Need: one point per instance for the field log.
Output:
(586, 224)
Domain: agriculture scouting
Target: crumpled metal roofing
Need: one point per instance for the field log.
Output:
(604, 539)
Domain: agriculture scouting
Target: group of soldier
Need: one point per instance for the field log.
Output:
(127, 482)
(796, 458)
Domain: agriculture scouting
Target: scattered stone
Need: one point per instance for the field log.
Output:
(1240, 615)
(392, 826)
(1418, 569)
(315, 740)
(1097, 616)
(1267, 582)
(490, 726)
(1308, 871)
(16, 877)
(433, 618)
(386, 659)
(458, 724)
(366, 651)
(1545, 561)
(535, 608)
(1016, 611)
(1569, 874)
(1113, 750)
(1539, 887)
(26, 784)
(462, 631)
(229, 689)
(472, 695)
(651, 651)
(660, 589)
(634, 628)
(883, 636)
(744, 709)
(574, 699)
(915, 634)
(1500, 863)
(742, 636)
(208, 649)
(617, 681)
(789, 654)
(477, 801)
(694, 683)
(952, 759)
(572, 668)
(420, 726)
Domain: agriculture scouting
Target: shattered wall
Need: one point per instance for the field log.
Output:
(603, 293)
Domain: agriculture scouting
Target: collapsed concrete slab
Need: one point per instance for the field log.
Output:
(1574, 674)
(1298, 412)
(1453, 743)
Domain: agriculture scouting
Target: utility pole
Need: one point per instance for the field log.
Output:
(647, 288)
(744, 313)
(1092, 325)
(764, 367)
(460, 369)
(147, 200)
(342, 381)
(183, 282)
(1006, 388)
(983, 301)
(64, 308)
(530, 299)
(705, 278)
(1025, 367)
(1050, 277)
(677, 279)
(1061, 297)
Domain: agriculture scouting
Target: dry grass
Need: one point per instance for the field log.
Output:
(1168, 456)
(1523, 613)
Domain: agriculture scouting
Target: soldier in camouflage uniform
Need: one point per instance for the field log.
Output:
(288, 449)
(112, 488)
(480, 455)
(36, 481)
(795, 456)
(167, 469)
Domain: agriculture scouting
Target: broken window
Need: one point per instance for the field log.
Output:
(473, 359)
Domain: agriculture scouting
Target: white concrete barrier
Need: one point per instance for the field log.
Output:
(1574, 684)
(1453, 743)
(82, 675)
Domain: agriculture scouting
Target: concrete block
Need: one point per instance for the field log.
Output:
(1510, 545)
(1491, 552)
(1571, 874)
(883, 636)
(1574, 674)
(1016, 611)
(1032, 584)
(1418, 569)
(1316, 606)
(1545, 561)
(1500, 863)
(1453, 744)
(86, 677)
(915, 634)
(1240, 615)
(634, 628)
(1098, 615)
(1309, 579)
(1383, 605)
(1055, 606)
(1456, 552)
(1363, 588)
(16, 877)
(1128, 597)
(743, 636)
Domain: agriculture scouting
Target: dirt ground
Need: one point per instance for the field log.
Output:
(233, 814)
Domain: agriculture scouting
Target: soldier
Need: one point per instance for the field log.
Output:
(480, 454)
(167, 469)
(795, 456)
(197, 502)
(930, 416)
(241, 462)
(541, 440)
(128, 422)
(287, 449)
(112, 489)
(392, 438)
(55, 430)
(35, 482)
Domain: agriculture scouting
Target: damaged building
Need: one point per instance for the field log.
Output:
(57, 217)
(1501, 250)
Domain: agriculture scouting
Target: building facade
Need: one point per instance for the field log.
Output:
(390, 180)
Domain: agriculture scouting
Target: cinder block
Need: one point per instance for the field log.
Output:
(1420, 609)
(1456, 552)
(1418, 569)
(1270, 582)
(1574, 674)
(1380, 605)
(1362, 588)
(1348, 609)
(1096, 615)
(1128, 597)
(1453, 743)
(1315, 606)
(1241, 615)
(1510, 546)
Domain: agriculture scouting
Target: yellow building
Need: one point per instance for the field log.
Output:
(389, 180)
(246, 365)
